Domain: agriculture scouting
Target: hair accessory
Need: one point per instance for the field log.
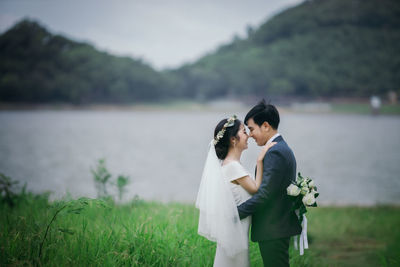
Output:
(220, 134)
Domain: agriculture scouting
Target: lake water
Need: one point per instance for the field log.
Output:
(354, 159)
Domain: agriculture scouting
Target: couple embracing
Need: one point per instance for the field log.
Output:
(230, 200)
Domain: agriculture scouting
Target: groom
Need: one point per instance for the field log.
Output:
(273, 221)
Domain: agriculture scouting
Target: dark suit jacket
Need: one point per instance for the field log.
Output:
(271, 207)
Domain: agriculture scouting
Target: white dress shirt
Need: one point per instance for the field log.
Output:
(273, 138)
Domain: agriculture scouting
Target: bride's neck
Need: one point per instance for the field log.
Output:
(233, 154)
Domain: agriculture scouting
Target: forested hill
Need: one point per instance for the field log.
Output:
(37, 66)
(320, 48)
(325, 48)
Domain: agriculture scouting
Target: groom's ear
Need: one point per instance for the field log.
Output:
(265, 126)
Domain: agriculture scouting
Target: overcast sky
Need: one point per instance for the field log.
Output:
(163, 33)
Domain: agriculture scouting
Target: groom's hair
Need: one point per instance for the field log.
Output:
(263, 112)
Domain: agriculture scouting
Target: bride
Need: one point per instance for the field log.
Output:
(225, 184)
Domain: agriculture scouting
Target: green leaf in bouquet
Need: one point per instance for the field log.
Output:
(298, 203)
(302, 210)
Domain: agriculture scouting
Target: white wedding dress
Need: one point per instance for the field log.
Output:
(230, 172)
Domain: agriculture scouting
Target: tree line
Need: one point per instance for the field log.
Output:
(320, 48)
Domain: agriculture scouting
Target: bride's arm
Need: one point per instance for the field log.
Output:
(248, 183)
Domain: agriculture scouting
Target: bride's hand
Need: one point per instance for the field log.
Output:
(264, 150)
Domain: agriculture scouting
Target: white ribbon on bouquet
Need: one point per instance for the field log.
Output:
(303, 236)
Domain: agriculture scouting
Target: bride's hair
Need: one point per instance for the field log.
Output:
(222, 147)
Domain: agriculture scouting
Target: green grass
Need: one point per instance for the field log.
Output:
(153, 234)
(355, 236)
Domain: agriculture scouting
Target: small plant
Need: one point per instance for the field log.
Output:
(122, 181)
(101, 178)
(7, 194)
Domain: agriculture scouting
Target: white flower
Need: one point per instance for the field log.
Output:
(293, 190)
(309, 199)
(304, 183)
(304, 190)
(311, 184)
(313, 192)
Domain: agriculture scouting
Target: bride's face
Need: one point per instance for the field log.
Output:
(243, 137)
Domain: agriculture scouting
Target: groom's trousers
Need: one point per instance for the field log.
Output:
(275, 253)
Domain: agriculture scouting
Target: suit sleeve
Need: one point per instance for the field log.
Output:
(271, 184)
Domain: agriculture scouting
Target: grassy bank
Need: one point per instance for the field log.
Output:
(178, 105)
(364, 108)
(193, 106)
(152, 234)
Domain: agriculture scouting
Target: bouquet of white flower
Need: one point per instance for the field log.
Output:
(303, 192)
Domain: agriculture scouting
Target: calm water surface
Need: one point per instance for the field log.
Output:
(354, 159)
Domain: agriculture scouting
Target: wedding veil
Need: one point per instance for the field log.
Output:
(219, 219)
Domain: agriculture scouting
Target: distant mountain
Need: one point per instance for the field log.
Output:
(37, 66)
(319, 48)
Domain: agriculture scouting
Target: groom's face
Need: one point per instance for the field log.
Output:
(258, 133)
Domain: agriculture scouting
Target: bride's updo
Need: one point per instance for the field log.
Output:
(222, 147)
